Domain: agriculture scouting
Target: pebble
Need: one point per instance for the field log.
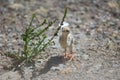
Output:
(9, 44)
(20, 42)
(1, 45)
(58, 68)
(11, 34)
(113, 4)
(16, 6)
(85, 56)
(115, 34)
(11, 1)
(2, 35)
(15, 51)
(54, 47)
(97, 66)
(92, 25)
(42, 9)
(1, 67)
(9, 30)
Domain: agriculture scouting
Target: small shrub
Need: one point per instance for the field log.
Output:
(34, 39)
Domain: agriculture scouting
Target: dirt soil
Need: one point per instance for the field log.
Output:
(96, 28)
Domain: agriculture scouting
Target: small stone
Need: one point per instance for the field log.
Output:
(9, 30)
(1, 45)
(18, 29)
(14, 41)
(100, 30)
(20, 42)
(1, 67)
(11, 1)
(92, 25)
(85, 56)
(42, 9)
(111, 45)
(58, 68)
(11, 35)
(2, 35)
(15, 51)
(77, 26)
(54, 47)
(115, 34)
(16, 6)
(97, 66)
(9, 44)
(55, 68)
(113, 4)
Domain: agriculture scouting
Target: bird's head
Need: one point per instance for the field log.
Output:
(65, 28)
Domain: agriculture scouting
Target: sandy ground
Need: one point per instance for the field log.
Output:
(96, 28)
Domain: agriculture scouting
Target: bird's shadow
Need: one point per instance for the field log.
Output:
(53, 61)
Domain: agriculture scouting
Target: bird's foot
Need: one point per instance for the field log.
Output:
(66, 55)
(71, 57)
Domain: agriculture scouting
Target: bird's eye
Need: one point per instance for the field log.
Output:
(66, 30)
(61, 23)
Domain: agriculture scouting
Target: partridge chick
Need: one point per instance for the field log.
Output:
(66, 40)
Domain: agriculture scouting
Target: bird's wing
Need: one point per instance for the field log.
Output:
(69, 40)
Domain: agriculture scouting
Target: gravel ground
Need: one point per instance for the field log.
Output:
(96, 28)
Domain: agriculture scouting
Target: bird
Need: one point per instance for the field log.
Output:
(66, 40)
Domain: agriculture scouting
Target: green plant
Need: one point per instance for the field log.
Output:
(34, 39)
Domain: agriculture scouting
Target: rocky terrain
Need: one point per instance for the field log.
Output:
(96, 28)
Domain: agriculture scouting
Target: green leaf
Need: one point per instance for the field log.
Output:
(65, 13)
(33, 16)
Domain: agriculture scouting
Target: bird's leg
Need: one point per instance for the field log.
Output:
(71, 56)
(65, 54)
